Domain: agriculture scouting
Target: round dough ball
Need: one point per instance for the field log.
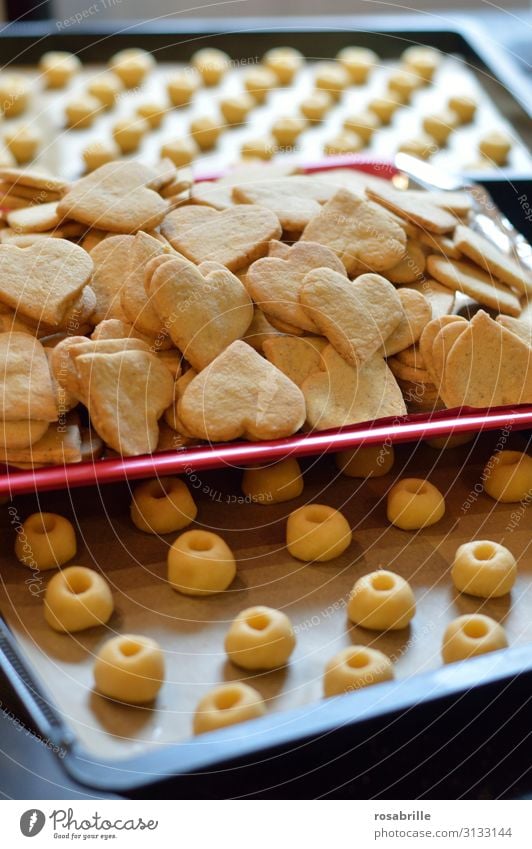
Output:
(358, 62)
(100, 153)
(23, 143)
(472, 635)
(440, 125)
(152, 112)
(384, 108)
(77, 598)
(14, 94)
(211, 64)
(132, 65)
(226, 705)
(364, 125)
(332, 78)
(162, 505)
(414, 503)
(262, 148)
(205, 131)
(58, 67)
(105, 88)
(258, 82)
(403, 83)
(484, 569)
(284, 62)
(422, 146)
(496, 147)
(129, 668)
(129, 132)
(272, 484)
(344, 142)
(45, 541)
(317, 532)
(508, 477)
(316, 105)
(453, 440)
(366, 461)
(260, 638)
(355, 667)
(81, 111)
(423, 61)
(182, 86)
(236, 109)
(286, 131)
(463, 106)
(200, 563)
(180, 151)
(381, 601)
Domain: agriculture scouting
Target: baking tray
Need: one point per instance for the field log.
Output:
(113, 747)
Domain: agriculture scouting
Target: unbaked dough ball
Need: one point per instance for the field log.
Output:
(211, 64)
(508, 477)
(132, 65)
(162, 505)
(226, 705)
(260, 638)
(317, 532)
(258, 82)
(421, 146)
(46, 542)
(332, 78)
(344, 142)
(440, 125)
(285, 62)
(205, 131)
(366, 461)
(180, 151)
(472, 635)
(364, 125)
(23, 143)
(105, 88)
(316, 105)
(403, 83)
(81, 111)
(484, 569)
(496, 147)
(14, 94)
(286, 131)
(99, 153)
(129, 668)
(423, 61)
(259, 148)
(236, 109)
(200, 563)
(181, 87)
(384, 107)
(355, 667)
(464, 107)
(381, 601)
(414, 503)
(358, 62)
(152, 112)
(77, 598)
(275, 483)
(129, 132)
(58, 67)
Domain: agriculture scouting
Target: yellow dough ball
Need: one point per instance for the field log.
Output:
(129, 668)
(152, 112)
(358, 62)
(261, 148)
(364, 125)
(129, 133)
(77, 598)
(105, 88)
(284, 62)
(182, 86)
(258, 82)
(280, 481)
(483, 568)
(381, 601)
(403, 83)
(14, 94)
(23, 143)
(180, 151)
(414, 503)
(472, 635)
(332, 78)
(81, 111)
(366, 461)
(508, 477)
(453, 440)
(205, 131)
(236, 109)
(99, 153)
(344, 142)
(46, 541)
(162, 506)
(316, 105)
(211, 64)
(463, 106)
(424, 61)
(58, 67)
(226, 705)
(260, 638)
(132, 65)
(440, 125)
(286, 131)
(317, 532)
(200, 563)
(422, 146)
(496, 147)
(384, 108)
(356, 667)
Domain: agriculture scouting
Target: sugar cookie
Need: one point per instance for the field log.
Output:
(272, 484)
(205, 131)
(463, 106)
(472, 635)
(414, 503)
(508, 477)
(46, 542)
(132, 65)
(129, 668)
(285, 62)
(358, 62)
(332, 78)
(105, 87)
(496, 147)
(162, 506)
(355, 667)
(14, 94)
(484, 569)
(381, 601)
(226, 705)
(366, 461)
(77, 598)
(488, 256)
(129, 132)
(260, 638)
(58, 67)
(23, 143)
(99, 153)
(182, 86)
(259, 82)
(317, 532)
(211, 64)
(81, 111)
(235, 109)
(200, 563)
(416, 209)
(316, 105)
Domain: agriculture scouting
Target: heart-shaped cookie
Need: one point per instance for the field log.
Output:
(110, 259)
(116, 197)
(294, 200)
(357, 317)
(235, 237)
(202, 314)
(274, 283)
(26, 390)
(43, 280)
(133, 298)
(127, 393)
(241, 394)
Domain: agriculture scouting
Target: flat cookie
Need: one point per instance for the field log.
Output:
(294, 200)
(417, 314)
(419, 210)
(26, 390)
(259, 331)
(34, 219)
(521, 328)
(427, 338)
(487, 255)
(468, 278)
(440, 298)
(21, 434)
(410, 268)
(111, 258)
(60, 444)
(134, 301)
(295, 357)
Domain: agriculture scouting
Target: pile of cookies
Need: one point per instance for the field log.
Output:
(140, 313)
